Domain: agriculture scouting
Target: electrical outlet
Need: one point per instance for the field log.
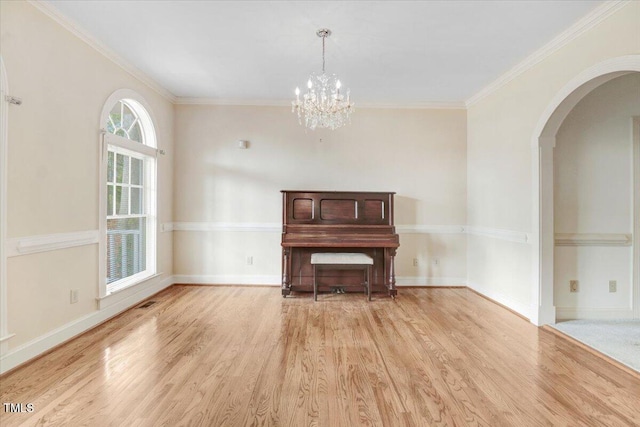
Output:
(613, 286)
(573, 286)
(73, 296)
(249, 260)
(415, 262)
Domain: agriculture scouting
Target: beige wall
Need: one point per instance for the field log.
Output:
(53, 165)
(419, 154)
(593, 179)
(500, 154)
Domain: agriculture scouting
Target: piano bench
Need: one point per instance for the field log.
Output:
(339, 261)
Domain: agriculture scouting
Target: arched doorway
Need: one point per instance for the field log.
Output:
(543, 143)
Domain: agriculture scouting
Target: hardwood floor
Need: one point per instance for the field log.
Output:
(242, 356)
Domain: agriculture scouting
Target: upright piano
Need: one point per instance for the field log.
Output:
(337, 221)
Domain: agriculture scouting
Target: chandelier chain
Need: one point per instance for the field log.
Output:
(323, 39)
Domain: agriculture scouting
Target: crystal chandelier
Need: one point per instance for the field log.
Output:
(324, 105)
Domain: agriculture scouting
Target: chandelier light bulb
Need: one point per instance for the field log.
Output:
(323, 105)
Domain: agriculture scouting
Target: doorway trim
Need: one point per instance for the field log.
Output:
(4, 112)
(543, 142)
(635, 298)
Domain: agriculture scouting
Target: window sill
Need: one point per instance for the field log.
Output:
(128, 289)
(134, 280)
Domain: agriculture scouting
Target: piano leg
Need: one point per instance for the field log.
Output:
(392, 275)
(286, 285)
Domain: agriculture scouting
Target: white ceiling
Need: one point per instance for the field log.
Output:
(386, 52)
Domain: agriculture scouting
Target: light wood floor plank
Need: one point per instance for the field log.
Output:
(243, 356)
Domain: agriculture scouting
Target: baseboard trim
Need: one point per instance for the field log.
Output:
(42, 345)
(481, 295)
(499, 298)
(573, 313)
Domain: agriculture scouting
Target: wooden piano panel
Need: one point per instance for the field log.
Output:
(374, 210)
(302, 208)
(337, 208)
(340, 210)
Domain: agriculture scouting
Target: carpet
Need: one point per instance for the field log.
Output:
(618, 339)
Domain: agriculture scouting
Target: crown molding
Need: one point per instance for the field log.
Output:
(181, 100)
(428, 105)
(591, 20)
(598, 15)
(77, 30)
(436, 105)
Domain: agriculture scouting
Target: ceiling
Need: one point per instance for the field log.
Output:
(386, 52)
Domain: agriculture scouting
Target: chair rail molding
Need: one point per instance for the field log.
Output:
(225, 226)
(592, 239)
(501, 234)
(268, 227)
(430, 229)
(50, 242)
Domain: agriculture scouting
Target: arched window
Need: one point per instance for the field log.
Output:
(123, 121)
(129, 188)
